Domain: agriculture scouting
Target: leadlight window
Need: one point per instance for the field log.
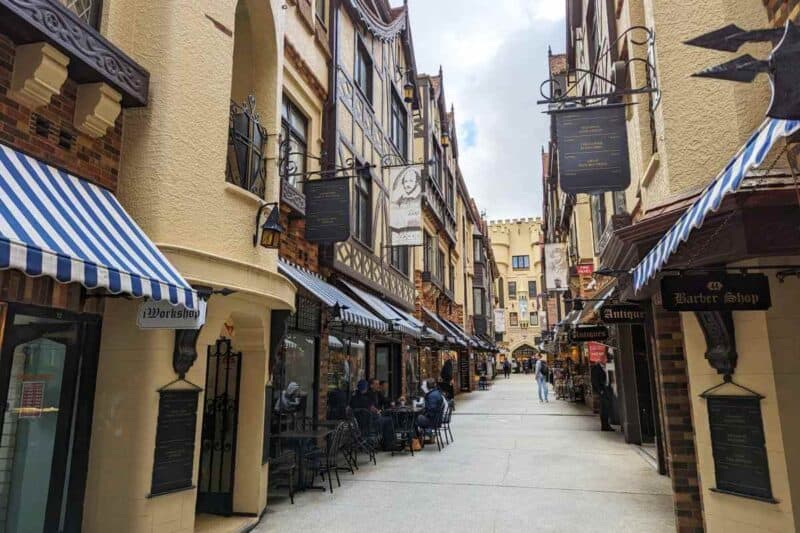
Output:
(87, 10)
(512, 290)
(452, 277)
(363, 71)
(399, 126)
(513, 318)
(448, 190)
(363, 208)
(294, 138)
(440, 266)
(478, 300)
(429, 257)
(477, 245)
(436, 165)
(501, 292)
(521, 262)
(400, 258)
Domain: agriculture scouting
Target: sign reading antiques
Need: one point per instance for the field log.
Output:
(622, 314)
(737, 443)
(163, 315)
(174, 454)
(327, 210)
(588, 333)
(405, 211)
(716, 292)
(592, 149)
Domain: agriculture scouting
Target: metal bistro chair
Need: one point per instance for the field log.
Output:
(405, 429)
(362, 440)
(325, 460)
(284, 467)
(446, 423)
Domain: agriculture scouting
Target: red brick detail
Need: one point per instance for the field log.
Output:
(95, 160)
(294, 247)
(674, 396)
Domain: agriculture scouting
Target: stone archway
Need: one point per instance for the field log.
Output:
(524, 350)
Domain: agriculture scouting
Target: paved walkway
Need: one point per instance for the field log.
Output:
(516, 465)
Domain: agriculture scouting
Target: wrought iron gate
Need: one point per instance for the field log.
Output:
(220, 420)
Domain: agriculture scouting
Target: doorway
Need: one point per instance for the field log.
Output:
(644, 386)
(48, 368)
(220, 424)
(388, 367)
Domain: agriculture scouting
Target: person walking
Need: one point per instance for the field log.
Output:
(506, 368)
(601, 388)
(446, 376)
(541, 372)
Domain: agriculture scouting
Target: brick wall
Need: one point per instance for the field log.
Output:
(56, 142)
(294, 247)
(672, 383)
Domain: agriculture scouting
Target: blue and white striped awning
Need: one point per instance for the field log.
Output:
(395, 321)
(54, 224)
(750, 155)
(351, 311)
(449, 335)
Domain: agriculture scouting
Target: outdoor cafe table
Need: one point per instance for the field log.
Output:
(299, 438)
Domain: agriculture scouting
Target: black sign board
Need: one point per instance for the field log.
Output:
(737, 442)
(327, 210)
(463, 372)
(622, 314)
(588, 333)
(716, 292)
(593, 149)
(175, 436)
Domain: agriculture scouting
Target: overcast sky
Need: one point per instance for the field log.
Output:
(494, 56)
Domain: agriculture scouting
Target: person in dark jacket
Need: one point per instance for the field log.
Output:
(361, 398)
(601, 388)
(434, 405)
(446, 375)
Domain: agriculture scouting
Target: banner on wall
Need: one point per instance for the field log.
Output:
(556, 266)
(499, 320)
(405, 211)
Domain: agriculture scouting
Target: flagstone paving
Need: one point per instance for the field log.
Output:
(515, 465)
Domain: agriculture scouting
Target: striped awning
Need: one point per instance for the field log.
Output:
(426, 332)
(449, 336)
(54, 224)
(750, 155)
(395, 321)
(351, 311)
(459, 331)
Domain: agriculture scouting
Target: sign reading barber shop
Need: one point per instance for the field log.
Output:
(716, 292)
(588, 333)
(622, 314)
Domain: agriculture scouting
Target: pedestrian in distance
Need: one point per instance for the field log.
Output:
(601, 388)
(541, 372)
(506, 368)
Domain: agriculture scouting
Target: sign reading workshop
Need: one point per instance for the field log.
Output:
(592, 149)
(716, 292)
(622, 314)
(163, 315)
(327, 210)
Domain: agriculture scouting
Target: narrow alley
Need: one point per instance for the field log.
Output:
(516, 465)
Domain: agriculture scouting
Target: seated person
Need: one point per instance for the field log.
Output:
(384, 400)
(434, 406)
(361, 399)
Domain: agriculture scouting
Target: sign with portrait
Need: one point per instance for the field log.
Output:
(500, 320)
(556, 266)
(593, 149)
(405, 210)
(716, 292)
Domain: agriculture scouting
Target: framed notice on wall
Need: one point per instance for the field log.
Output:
(175, 435)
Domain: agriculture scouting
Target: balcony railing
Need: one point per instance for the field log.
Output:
(247, 139)
(87, 10)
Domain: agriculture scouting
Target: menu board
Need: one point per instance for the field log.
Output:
(463, 372)
(175, 436)
(737, 442)
(327, 210)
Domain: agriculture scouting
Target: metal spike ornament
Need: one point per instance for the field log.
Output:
(781, 65)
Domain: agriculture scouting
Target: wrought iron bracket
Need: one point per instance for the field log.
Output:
(720, 337)
(602, 88)
(287, 168)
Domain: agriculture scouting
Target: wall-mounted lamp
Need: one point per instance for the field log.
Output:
(408, 92)
(445, 138)
(271, 229)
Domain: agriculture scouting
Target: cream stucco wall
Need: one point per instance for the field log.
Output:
(512, 238)
(767, 344)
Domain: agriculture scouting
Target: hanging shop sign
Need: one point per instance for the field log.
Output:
(588, 333)
(716, 292)
(622, 314)
(585, 269)
(592, 149)
(737, 443)
(31, 400)
(405, 210)
(597, 352)
(327, 210)
(556, 266)
(163, 315)
(173, 462)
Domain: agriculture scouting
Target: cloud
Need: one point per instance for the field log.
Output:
(494, 56)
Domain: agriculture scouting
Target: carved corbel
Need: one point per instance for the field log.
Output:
(720, 337)
(185, 352)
